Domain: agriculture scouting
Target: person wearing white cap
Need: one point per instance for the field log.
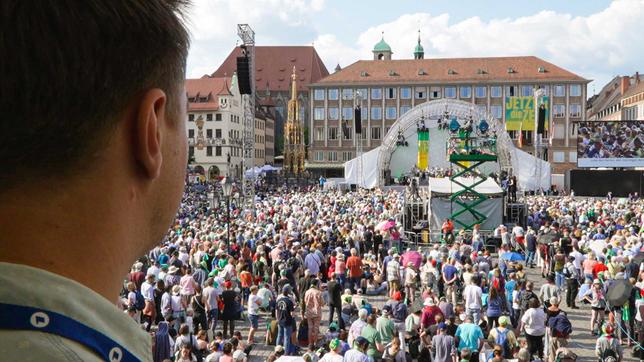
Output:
(393, 274)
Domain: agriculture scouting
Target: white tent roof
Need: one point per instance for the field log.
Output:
(446, 187)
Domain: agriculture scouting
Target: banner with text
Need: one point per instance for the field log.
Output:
(610, 144)
(519, 113)
(423, 149)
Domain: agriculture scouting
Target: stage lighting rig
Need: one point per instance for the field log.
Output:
(400, 141)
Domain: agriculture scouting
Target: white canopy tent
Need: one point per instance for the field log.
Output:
(370, 170)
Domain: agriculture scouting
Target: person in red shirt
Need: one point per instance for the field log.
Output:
(354, 264)
(448, 229)
(430, 312)
(599, 267)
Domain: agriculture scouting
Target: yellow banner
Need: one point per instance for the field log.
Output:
(423, 150)
(519, 113)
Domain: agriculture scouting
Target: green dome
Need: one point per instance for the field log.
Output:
(382, 46)
(419, 49)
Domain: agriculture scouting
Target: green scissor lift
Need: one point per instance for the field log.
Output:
(470, 153)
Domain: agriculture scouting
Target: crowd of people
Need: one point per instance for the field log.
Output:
(455, 300)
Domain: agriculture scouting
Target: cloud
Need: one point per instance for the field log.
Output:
(213, 25)
(597, 46)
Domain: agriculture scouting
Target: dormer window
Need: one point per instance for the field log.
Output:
(203, 99)
(481, 71)
(392, 73)
(364, 74)
(451, 71)
(541, 69)
(511, 70)
(421, 71)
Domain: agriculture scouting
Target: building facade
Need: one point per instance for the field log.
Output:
(391, 87)
(273, 67)
(607, 104)
(215, 128)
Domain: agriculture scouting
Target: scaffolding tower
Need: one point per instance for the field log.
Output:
(247, 35)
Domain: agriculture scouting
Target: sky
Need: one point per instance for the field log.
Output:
(596, 39)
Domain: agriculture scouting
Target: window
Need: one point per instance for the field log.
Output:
(363, 93)
(575, 90)
(391, 113)
(420, 92)
(333, 133)
(364, 113)
(191, 133)
(629, 112)
(450, 92)
(333, 156)
(191, 118)
(209, 116)
(559, 110)
(347, 156)
(466, 92)
(545, 89)
(497, 111)
(375, 133)
(209, 133)
(526, 91)
(510, 91)
(376, 113)
(333, 113)
(333, 94)
(347, 132)
(405, 93)
(391, 93)
(404, 109)
(319, 156)
(218, 133)
(435, 92)
(218, 151)
(376, 93)
(495, 91)
(572, 156)
(558, 157)
(347, 113)
(318, 114)
(319, 133)
(560, 91)
(209, 151)
(482, 108)
(217, 117)
(575, 110)
(481, 92)
(347, 94)
(318, 94)
(363, 135)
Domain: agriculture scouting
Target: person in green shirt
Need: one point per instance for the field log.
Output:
(370, 333)
(385, 327)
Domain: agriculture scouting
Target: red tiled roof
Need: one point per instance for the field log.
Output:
(637, 88)
(208, 87)
(274, 64)
(450, 70)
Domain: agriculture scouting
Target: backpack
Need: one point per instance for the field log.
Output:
(526, 296)
(139, 303)
(560, 325)
(400, 312)
(609, 354)
(502, 340)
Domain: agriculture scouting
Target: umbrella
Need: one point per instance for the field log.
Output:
(548, 238)
(584, 290)
(381, 224)
(512, 256)
(412, 257)
(388, 225)
(618, 292)
(597, 246)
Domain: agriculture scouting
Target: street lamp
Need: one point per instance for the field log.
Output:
(227, 186)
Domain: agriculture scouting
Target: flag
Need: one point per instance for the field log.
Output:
(520, 142)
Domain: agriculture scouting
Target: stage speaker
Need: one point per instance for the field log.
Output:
(541, 119)
(357, 117)
(243, 75)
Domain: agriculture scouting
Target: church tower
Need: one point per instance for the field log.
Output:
(382, 50)
(293, 134)
(419, 52)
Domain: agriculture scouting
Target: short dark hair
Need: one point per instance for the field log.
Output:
(70, 68)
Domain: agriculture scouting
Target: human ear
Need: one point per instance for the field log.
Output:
(147, 132)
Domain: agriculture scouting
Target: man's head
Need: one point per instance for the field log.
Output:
(95, 98)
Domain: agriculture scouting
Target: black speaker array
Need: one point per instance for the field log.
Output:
(358, 119)
(243, 75)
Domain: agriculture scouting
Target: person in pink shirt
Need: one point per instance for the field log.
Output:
(589, 265)
(341, 268)
(313, 302)
(187, 284)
